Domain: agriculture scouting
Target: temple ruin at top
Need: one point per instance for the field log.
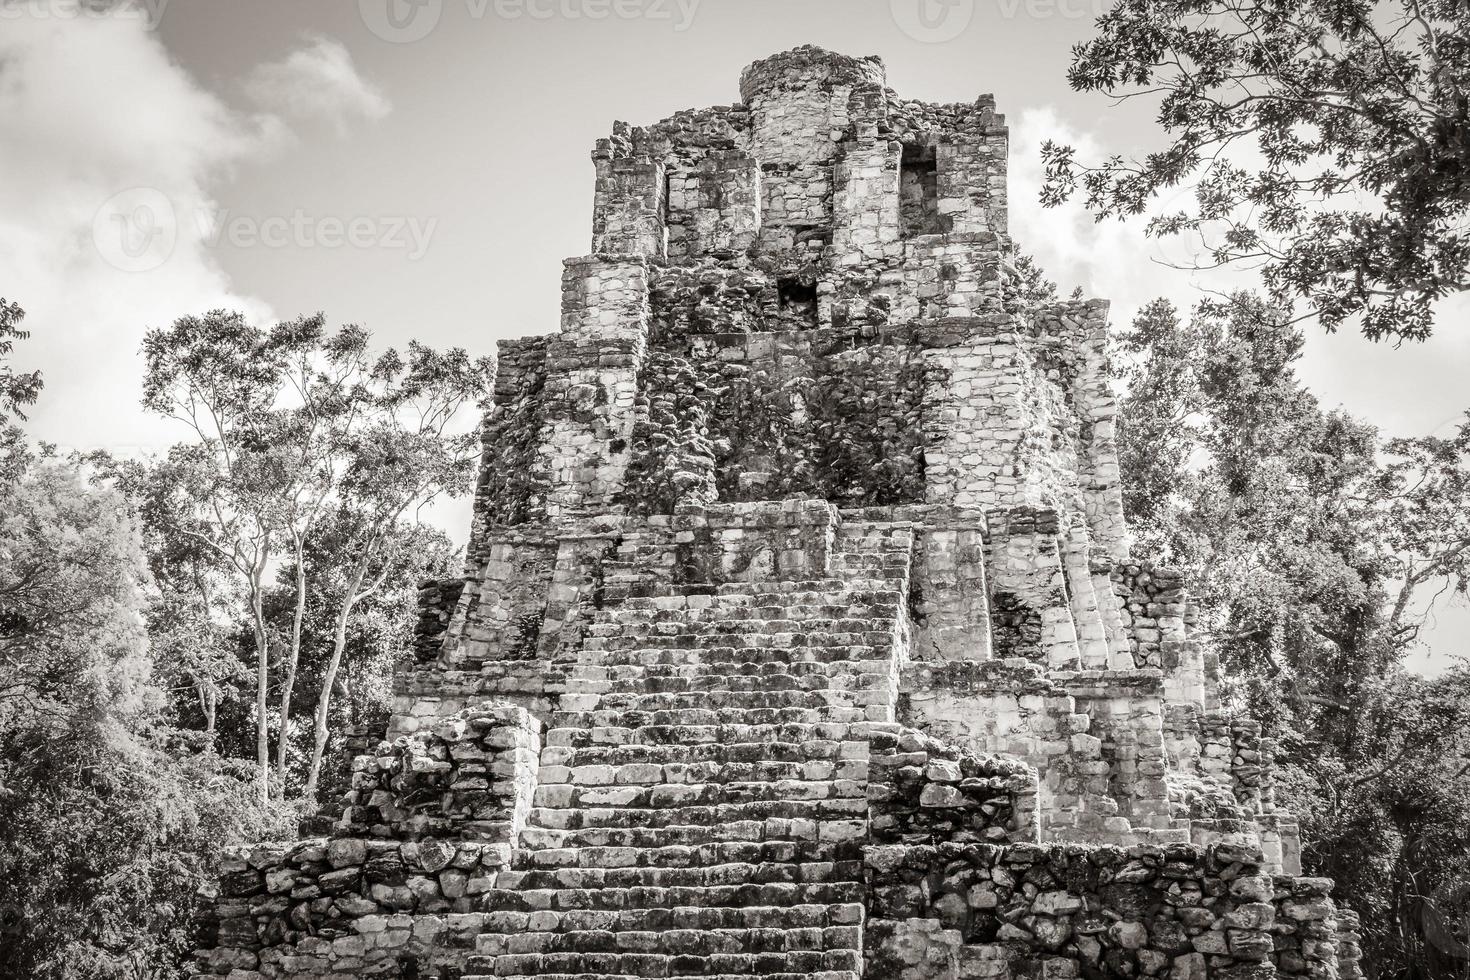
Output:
(799, 634)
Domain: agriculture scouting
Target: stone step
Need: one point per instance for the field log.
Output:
(728, 590)
(695, 717)
(736, 873)
(698, 677)
(743, 621)
(708, 771)
(718, 684)
(671, 795)
(739, 619)
(717, 752)
(827, 975)
(635, 919)
(660, 666)
(840, 841)
(515, 896)
(723, 653)
(669, 942)
(708, 700)
(819, 655)
(766, 633)
(580, 834)
(735, 732)
(702, 791)
(802, 964)
(567, 818)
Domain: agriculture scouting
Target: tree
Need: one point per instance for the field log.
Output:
(16, 390)
(70, 642)
(1316, 550)
(1359, 113)
(297, 426)
(1236, 473)
(405, 456)
(380, 631)
(1425, 486)
(265, 406)
(1384, 817)
(109, 821)
(193, 613)
(1158, 431)
(230, 487)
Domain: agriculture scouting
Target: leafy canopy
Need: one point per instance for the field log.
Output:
(16, 390)
(1316, 550)
(109, 821)
(1328, 142)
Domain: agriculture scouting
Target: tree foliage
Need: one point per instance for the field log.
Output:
(1328, 142)
(135, 596)
(16, 390)
(109, 820)
(71, 643)
(1317, 549)
(297, 428)
(377, 642)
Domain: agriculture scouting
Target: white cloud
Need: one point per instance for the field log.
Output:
(104, 209)
(1110, 259)
(1412, 389)
(316, 82)
(92, 173)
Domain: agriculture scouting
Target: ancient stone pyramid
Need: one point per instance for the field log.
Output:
(799, 635)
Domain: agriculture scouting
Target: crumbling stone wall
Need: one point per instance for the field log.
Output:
(436, 602)
(470, 778)
(922, 790)
(512, 483)
(429, 820)
(1068, 911)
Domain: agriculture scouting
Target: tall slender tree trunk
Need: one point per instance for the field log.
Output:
(262, 672)
(293, 657)
(323, 706)
(208, 692)
(207, 705)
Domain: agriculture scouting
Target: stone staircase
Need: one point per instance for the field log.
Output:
(702, 800)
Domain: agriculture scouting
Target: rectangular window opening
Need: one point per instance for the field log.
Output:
(798, 303)
(918, 192)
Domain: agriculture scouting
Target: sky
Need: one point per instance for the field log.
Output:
(421, 168)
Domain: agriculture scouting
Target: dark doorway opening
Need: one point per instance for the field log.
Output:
(918, 193)
(797, 304)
